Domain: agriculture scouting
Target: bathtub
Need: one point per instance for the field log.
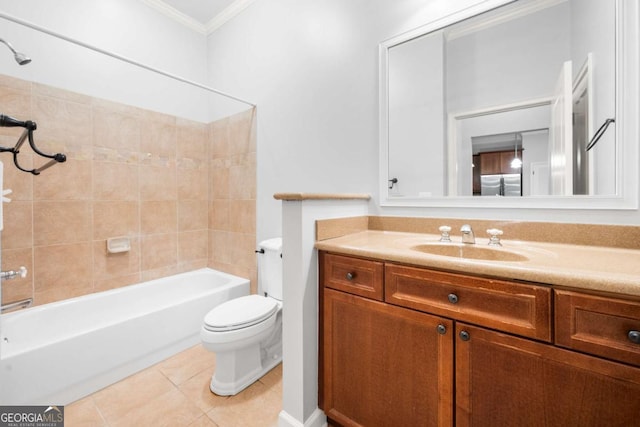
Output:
(56, 353)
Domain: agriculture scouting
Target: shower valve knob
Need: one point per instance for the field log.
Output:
(12, 274)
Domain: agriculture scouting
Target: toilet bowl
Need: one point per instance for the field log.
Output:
(246, 332)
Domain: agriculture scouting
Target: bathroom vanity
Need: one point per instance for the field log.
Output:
(409, 337)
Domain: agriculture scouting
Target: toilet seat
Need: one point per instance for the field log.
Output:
(240, 313)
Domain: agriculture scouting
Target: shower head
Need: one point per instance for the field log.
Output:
(20, 58)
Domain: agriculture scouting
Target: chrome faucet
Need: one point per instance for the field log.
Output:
(467, 234)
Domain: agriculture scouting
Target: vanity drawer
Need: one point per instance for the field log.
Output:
(602, 326)
(510, 307)
(353, 275)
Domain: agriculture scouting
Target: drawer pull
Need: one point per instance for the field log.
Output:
(464, 336)
(634, 337)
(441, 329)
(350, 276)
(453, 298)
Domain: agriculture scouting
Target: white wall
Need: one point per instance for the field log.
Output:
(416, 111)
(511, 62)
(124, 27)
(590, 20)
(312, 69)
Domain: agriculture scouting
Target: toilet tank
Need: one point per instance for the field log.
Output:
(270, 267)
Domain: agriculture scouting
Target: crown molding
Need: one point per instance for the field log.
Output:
(227, 14)
(517, 10)
(176, 15)
(218, 21)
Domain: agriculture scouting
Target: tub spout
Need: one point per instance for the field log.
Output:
(24, 303)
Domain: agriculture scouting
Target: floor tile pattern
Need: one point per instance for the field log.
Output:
(174, 393)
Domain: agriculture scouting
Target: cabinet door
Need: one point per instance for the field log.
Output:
(490, 163)
(507, 381)
(383, 365)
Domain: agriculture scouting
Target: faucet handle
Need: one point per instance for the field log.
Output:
(495, 236)
(444, 233)
(12, 274)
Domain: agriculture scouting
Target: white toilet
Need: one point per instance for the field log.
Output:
(246, 332)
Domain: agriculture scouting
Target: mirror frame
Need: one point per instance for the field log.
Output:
(627, 122)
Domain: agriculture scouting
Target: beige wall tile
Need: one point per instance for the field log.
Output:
(243, 178)
(159, 273)
(193, 245)
(56, 278)
(18, 225)
(240, 128)
(116, 126)
(115, 282)
(242, 216)
(243, 250)
(63, 125)
(197, 264)
(192, 139)
(61, 222)
(193, 215)
(183, 191)
(20, 183)
(115, 181)
(159, 251)
(219, 139)
(119, 265)
(193, 183)
(219, 214)
(219, 246)
(219, 179)
(158, 217)
(115, 218)
(158, 136)
(158, 182)
(15, 98)
(70, 180)
(62, 94)
(17, 288)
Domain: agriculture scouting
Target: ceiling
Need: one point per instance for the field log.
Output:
(202, 11)
(204, 16)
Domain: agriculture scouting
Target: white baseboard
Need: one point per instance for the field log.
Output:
(317, 419)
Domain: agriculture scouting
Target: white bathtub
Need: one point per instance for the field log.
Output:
(56, 353)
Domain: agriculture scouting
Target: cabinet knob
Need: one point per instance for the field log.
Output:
(634, 337)
(464, 336)
(350, 276)
(441, 329)
(453, 298)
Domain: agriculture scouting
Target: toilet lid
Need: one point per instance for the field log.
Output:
(240, 313)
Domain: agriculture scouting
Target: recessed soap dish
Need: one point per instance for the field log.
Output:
(117, 245)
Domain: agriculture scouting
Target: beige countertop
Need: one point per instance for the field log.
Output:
(603, 269)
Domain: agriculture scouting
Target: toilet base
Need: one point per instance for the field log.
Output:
(232, 388)
(238, 369)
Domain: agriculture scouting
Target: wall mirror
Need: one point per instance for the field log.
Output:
(532, 101)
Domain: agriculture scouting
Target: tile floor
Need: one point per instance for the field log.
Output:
(175, 393)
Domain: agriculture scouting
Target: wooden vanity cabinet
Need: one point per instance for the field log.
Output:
(380, 365)
(502, 380)
(486, 357)
(385, 365)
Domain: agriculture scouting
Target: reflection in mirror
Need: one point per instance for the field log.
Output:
(524, 72)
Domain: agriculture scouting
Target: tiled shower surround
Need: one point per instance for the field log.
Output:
(183, 191)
